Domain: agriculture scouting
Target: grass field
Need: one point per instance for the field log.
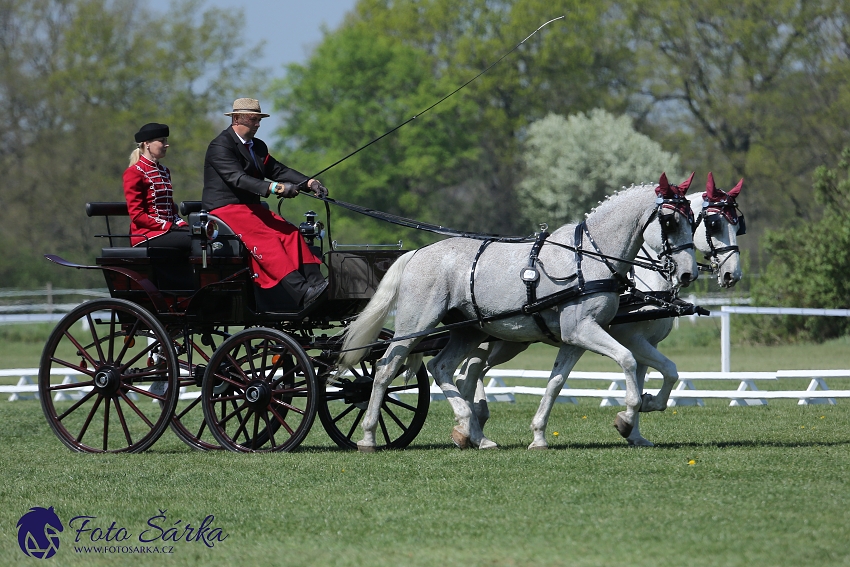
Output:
(724, 486)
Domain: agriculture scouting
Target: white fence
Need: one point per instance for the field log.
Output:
(611, 392)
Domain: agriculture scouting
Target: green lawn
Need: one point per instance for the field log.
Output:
(725, 486)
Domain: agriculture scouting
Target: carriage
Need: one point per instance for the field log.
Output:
(185, 341)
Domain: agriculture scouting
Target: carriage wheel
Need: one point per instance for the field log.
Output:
(103, 368)
(259, 392)
(193, 354)
(403, 411)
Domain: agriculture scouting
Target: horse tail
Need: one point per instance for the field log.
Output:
(364, 329)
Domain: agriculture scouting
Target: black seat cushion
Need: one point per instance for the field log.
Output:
(143, 252)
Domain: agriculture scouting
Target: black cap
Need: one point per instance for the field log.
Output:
(151, 131)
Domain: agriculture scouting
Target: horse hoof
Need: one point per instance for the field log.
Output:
(622, 427)
(640, 442)
(460, 440)
(365, 448)
(537, 447)
(487, 444)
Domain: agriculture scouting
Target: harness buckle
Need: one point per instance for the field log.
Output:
(529, 274)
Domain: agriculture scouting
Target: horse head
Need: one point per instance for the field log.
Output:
(722, 224)
(672, 236)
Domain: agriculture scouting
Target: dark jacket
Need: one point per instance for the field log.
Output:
(231, 176)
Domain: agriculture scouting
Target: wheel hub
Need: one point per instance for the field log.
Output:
(107, 380)
(258, 394)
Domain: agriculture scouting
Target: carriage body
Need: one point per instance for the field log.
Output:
(189, 331)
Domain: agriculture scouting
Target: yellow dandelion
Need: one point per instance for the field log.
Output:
(692, 462)
(584, 417)
(555, 433)
(823, 416)
(675, 412)
(802, 427)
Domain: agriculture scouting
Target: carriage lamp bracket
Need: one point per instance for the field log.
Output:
(207, 229)
(311, 229)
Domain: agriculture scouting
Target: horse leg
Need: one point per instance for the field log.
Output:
(635, 439)
(388, 368)
(470, 377)
(470, 381)
(590, 336)
(567, 357)
(647, 354)
(467, 432)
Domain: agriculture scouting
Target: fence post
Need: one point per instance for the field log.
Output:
(725, 341)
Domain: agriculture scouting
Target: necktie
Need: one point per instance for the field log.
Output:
(250, 147)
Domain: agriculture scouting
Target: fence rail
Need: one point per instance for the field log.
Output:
(685, 393)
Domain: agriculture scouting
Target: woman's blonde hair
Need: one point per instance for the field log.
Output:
(134, 156)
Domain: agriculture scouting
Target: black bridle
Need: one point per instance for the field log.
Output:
(711, 217)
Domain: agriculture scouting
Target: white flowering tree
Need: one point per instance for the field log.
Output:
(573, 163)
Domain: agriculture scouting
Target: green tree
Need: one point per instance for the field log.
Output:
(754, 89)
(78, 77)
(572, 163)
(458, 164)
(810, 263)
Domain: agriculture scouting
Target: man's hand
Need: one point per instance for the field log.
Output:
(285, 190)
(316, 186)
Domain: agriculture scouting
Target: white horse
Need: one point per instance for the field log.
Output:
(716, 230)
(465, 279)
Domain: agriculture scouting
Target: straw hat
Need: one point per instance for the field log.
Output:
(246, 106)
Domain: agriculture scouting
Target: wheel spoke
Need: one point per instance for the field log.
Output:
(192, 405)
(345, 412)
(281, 420)
(88, 419)
(106, 424)
(80, 402)
(133, 407)
(126, 429)
(393, 416)
(389, 400)
(356, 423)
(383, 425)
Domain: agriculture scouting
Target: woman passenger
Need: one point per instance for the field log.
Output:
(154, 218)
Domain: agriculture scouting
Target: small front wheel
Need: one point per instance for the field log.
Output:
(259, 392)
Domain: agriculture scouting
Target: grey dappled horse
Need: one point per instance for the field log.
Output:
(434, 285)
(716, 230)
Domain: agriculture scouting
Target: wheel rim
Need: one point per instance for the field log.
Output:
(259, 392)
(403, 410)
(194, 352)
(102, 368)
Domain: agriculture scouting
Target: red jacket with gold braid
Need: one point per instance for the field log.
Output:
(150, 201)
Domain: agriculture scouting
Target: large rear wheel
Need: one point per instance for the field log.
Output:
(259, 392)
(194, 349)
(108, 378)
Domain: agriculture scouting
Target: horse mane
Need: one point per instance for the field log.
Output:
(616, 195)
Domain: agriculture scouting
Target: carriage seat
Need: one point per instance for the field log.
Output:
(226, 244)
(119, 208)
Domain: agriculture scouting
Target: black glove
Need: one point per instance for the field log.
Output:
(320, 190)
(286, 190)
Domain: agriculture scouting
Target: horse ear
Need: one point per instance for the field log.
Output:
(733, 192)
(710, 188)
(663, 189)
(683, 187)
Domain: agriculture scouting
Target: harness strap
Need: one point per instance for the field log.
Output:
(531, 278)
(481, 248)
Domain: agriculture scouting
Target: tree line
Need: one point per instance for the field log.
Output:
(752, 89)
